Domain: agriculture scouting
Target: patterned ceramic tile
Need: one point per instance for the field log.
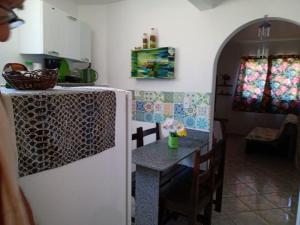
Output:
(190, 122)
(140, 106)
(139, 95)
(179, 118)
(133, 106)
(178, 109)
(159, 97)
(187, 101)
(149, 106)
(168, 109)
(159, 118)
(191, 109)
(159, 108)
(203, 111)
(178, 97)
(149, 96)
(148, 117)
(169, 97)
(202, 99)
(139, 116)
(202, 123)
(134, 115)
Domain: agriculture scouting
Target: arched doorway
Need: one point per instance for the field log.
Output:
(257, 190)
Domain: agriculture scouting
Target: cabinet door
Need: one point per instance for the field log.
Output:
(54, 35)
(85, 42)
(72, 38)
(31, 33)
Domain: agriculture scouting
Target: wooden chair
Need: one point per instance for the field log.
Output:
(165, 176)
(192, 192)
(140, 134)
(219, 174)
(220, 153)
(139, 137)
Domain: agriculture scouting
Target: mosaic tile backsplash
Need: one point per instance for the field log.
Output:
(190, 108)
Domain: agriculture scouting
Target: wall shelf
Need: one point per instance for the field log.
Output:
(224, 85)
(225, 94)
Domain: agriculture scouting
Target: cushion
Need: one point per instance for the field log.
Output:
(263, 134)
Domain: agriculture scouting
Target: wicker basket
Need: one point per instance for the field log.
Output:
(31, 80)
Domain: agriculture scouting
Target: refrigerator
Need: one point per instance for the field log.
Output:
(94, 190)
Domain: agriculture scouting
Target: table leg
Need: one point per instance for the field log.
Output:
(147, 196)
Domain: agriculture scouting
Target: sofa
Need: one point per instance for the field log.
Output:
(282, 141)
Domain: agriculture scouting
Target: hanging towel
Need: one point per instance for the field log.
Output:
(60, 126)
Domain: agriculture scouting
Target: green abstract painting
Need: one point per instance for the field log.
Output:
(153, 63)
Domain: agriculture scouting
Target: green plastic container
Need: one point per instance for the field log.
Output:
(64, 70)
(173, 142)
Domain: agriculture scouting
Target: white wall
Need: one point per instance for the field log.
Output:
(96, 17)
(179, 26)
(66, 5)
(229, 63)
(197, 35)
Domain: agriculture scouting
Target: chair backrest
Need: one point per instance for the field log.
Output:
(203, 179)
(223, 126)
(290, 121)
(219, 160)
(140, 134)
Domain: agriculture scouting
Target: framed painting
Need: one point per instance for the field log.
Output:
(153, 63)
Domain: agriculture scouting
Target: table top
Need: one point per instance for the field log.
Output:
(158, 156)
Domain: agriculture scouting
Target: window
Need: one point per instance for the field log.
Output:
(269, 85)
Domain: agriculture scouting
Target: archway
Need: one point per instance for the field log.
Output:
(225, 42)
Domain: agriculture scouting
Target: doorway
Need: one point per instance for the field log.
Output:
(260, 188)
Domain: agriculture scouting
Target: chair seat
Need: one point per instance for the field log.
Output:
(179, 194)
(263, 134)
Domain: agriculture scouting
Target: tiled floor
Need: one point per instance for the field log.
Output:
(259, 189)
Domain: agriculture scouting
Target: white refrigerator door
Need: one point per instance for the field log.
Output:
(90, 191)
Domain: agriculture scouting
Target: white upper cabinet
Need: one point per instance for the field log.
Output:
(85, 42)
(51, 31)
(72, 36)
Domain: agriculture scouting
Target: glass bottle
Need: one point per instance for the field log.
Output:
(153, 38)
(145, 41)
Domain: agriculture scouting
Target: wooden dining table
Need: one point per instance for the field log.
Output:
(151, 160)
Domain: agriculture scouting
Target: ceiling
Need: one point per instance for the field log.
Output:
(95, 1)
(279, 30)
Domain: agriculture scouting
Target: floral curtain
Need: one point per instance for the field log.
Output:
(251, 85)
(269, 85)
(284, 85)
